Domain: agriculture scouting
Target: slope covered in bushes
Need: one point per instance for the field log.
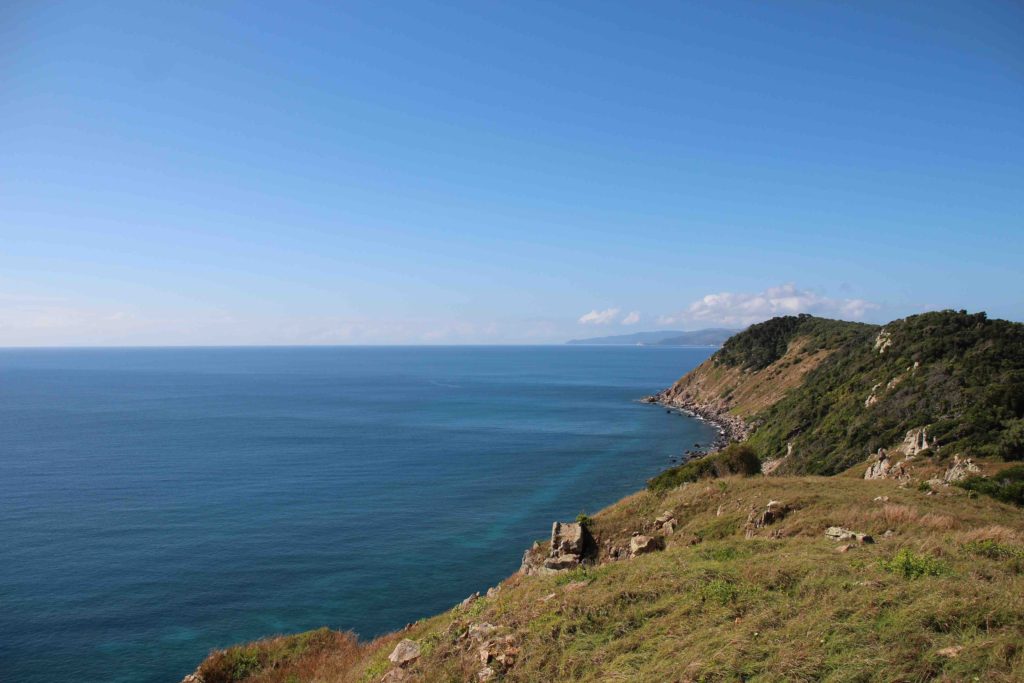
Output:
(960, 375)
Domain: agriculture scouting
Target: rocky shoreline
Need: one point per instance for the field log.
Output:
(730, 427)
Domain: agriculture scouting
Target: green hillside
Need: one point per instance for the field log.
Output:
(960, 375)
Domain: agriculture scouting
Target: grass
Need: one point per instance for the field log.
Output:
(717, 606)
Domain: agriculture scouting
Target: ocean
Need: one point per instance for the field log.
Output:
(158, 503)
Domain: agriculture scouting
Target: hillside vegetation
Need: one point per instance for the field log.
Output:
(829, 392)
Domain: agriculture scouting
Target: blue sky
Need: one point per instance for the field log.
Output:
(483, 172)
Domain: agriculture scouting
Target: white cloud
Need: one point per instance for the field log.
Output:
(599, 317)
(632, 319)
(743, 308)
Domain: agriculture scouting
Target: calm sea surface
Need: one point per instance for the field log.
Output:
(157, 503)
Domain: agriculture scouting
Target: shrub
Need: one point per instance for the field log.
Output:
(912, 566)
(1011, 443)
(733, 459)
(994, 550)
(1007, 486)
(584, 520)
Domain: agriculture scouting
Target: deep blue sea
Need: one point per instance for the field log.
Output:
(157, 503)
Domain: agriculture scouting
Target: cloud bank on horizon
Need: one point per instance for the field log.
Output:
(731, 309)
(740, 308)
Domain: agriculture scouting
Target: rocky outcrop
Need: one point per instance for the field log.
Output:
(915, 441)
(566, 538)
(884, 467)
(838, 533)
(759, 519)
(570, 542)
(960, 470)
(883, 341)
(666, 523)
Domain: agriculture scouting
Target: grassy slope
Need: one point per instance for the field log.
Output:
(715, 605)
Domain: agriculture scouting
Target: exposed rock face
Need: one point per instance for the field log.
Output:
(405, 653)
(838, 533)
(960, 470)
(872, 398)
(915, 441)
(879, 469)
(883, 341)
(759, 519)
(569, 543)
(884, 467)
(641, 545)
(566, 538)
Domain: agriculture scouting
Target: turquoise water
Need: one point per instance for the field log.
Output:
(157, 503)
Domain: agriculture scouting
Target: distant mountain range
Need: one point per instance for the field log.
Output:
(710, 337)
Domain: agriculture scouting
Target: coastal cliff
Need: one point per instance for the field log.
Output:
(906, 564)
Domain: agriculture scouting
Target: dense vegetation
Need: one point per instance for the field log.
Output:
(959, 374)
(734, 459)
(1007, 486)
(763, 344)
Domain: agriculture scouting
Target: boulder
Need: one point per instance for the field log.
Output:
(486, 674)
(641, 545)
(838, 533)
(405, 653)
